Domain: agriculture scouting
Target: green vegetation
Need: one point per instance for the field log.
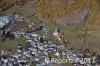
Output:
(12, 44)
(26, 11)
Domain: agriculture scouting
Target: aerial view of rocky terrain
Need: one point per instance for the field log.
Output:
(50, 32)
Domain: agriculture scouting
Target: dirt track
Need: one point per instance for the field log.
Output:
(20, 25)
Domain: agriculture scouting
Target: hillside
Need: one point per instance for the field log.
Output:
(52, 10)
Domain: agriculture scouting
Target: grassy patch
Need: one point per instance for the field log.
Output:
(11, 43)
(27, 12)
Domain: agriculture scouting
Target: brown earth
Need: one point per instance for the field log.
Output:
(19, 26)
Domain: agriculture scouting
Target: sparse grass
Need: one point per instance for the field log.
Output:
(27, 13)
(71, 32)
(12, 44)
